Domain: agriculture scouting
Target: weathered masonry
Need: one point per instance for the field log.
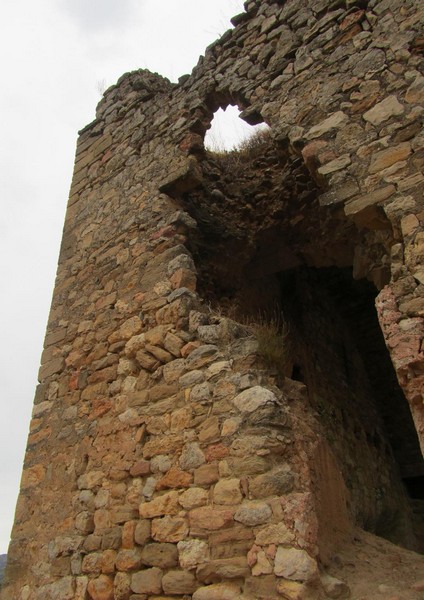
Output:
(232, 378)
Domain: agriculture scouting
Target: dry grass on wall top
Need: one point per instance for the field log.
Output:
(272, 335)
(271, 332)
(247, 150)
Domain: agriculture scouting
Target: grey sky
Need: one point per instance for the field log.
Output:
(55, 56)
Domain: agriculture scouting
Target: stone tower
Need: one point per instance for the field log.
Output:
(235, 343)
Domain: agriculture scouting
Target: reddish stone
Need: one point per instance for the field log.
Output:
(351, 19)
(140, 468)
(188, 348)
(175, 478)
(168, 231)
(100, 588)
(209, 518)
(216, 452)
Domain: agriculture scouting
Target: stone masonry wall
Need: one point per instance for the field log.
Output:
(163, 460)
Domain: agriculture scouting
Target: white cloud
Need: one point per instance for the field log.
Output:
(100, 15)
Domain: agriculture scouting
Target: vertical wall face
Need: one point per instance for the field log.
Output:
(162, 458)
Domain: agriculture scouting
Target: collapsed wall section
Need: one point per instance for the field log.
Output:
(164, 459)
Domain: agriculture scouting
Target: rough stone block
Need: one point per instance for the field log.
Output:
(148, 581)
(295, 564)
(179, 582)
(164, 556)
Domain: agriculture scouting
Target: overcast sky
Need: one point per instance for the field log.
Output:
(56, 56)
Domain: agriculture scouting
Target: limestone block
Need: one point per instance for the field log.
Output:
(389, 107)
(209, 430)
(169, 529)
(334, 121)
(134, 344)
(175, 478)
(173, 344)
(263, 565)
(148, 581)
(128, 559)
(250, 465)
(230, 426)
(101, 588)
(81, 589)
(192, 552)
(181, 419)
(363, 211)
(142, 532)
(227, 491)
(191, 456)
(200, 392)
(253, 513)
(274, 483)
(335, 165)
(415, 92)
(209, 518)
(295, 564)
(92, 563)
(130, 328)
(252, 398)
(201, 356)
(167, 504)
(122, 586)
(293, 590)
(147, 361)
(385, 158)
(50, 368)
(162, 355)
(84, 522)
(214, 571)
(335, 588)
(108, 561)
(191, 378)
(179, 582)
(218, 591)
(33, 476)
(164, 556)
(173, 371)
(276, 533)
(140, 468)
(206, 474)
(193, 498)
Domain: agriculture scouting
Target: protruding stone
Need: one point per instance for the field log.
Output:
(192, 553)
(101, 588)
(295, 564)
(335, 588)
(334, 121)
(252, 398)
(253, 513)
(191, 457)
(227, 491)
(167, 504)
(218, 591)
(169, 529)
(389, 107)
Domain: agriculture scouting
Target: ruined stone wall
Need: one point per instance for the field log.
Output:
(163, 459)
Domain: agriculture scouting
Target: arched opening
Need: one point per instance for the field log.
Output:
(265, 241)
(228, 131)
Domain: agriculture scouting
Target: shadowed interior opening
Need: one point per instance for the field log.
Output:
(264, 243)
